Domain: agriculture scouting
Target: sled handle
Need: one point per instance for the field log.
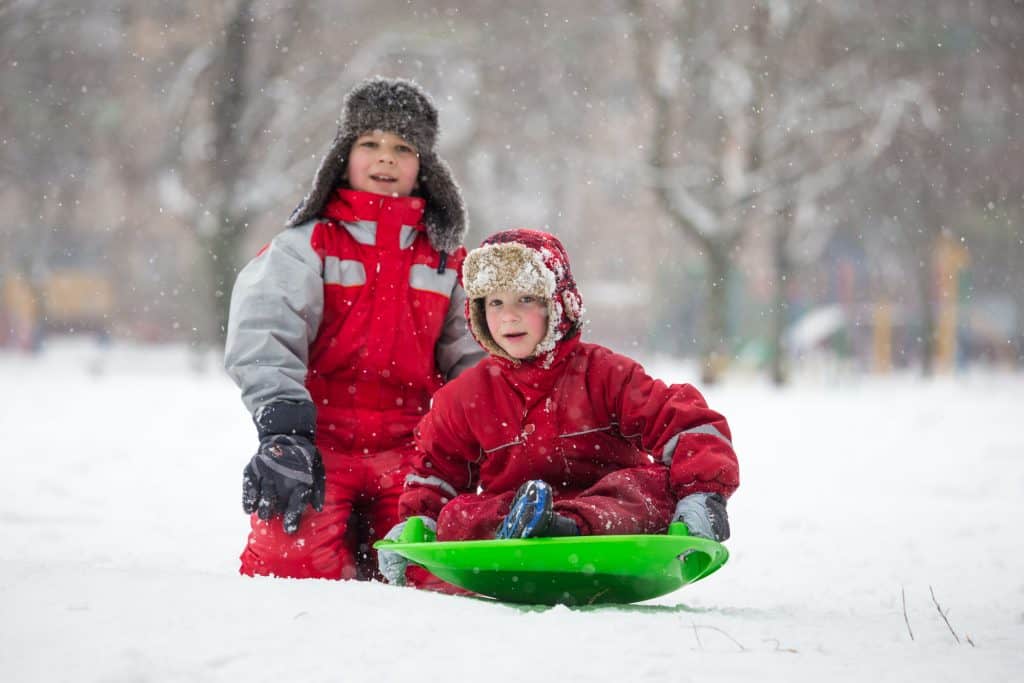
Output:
(699, 562)
(416, 531)
(678, 529)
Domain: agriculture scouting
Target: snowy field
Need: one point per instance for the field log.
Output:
(121, 525)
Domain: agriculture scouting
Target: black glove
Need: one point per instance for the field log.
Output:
(287, 472)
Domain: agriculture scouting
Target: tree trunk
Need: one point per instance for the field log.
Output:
(715, 353)
(783, 266)
(221, 250)
(229, 103)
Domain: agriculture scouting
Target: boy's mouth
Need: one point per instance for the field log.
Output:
(514, 335)
(377, 177)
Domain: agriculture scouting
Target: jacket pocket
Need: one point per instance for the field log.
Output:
(427, 279)
(344, 272)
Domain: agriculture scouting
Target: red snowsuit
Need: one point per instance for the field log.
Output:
(617, 447)
(358, 313)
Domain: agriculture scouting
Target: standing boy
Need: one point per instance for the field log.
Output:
(341, 330)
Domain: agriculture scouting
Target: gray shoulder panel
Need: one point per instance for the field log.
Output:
(276, 308)
(456, 350)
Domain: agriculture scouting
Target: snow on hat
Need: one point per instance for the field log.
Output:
(401, 107)
(529, 262)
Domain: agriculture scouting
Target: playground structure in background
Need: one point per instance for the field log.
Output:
(884, 334)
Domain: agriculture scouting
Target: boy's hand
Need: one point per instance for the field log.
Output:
(284, 476)
(392, 565)
(704, 515)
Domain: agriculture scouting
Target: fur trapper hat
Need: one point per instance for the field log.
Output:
(401, 107)
(528, 262)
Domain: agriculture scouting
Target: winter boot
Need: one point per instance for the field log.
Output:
(531, 515)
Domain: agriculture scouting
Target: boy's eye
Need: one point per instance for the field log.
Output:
(494, 303)
(527, 299)
(403, 148)
(368, 143)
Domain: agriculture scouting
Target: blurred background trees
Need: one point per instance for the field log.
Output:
(753, 186)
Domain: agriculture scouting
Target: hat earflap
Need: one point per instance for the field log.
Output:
(445, 214)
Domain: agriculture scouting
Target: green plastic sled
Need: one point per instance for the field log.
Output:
(581, 570)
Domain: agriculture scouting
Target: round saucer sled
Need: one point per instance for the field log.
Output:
(577, 570)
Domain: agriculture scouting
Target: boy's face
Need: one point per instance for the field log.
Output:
(516, 321)
(383, 163)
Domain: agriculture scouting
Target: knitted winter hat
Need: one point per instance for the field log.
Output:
(401, 107)
(526, 261)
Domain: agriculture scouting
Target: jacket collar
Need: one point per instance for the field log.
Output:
(351, 206)
(534, 377)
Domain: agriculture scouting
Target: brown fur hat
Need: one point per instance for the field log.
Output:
(401, 107)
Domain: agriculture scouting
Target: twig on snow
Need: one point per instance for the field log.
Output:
(943, 615)
(778, 645)
(903, 594)
(597, 595)
(715, 628)
(696, 635)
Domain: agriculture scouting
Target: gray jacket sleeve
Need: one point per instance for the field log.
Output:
(456, 350)
(276, 308)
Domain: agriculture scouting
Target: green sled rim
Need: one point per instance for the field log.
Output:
(579, 570)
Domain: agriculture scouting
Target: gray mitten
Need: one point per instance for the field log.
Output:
(704, 514)
(392, 565)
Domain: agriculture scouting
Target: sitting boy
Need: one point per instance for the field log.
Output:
(552, 436)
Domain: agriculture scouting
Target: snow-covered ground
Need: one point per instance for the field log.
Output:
(120, 526)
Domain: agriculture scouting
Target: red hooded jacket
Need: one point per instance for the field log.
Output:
(591, 413)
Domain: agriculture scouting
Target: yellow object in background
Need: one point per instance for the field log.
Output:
(950, 259)
(66, 300)
(882, 338)
(71, 296)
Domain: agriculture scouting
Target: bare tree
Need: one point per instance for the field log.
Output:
(757, 112)
(220, 168)
(737, 138)
(245, 154)
(950, 166)
(49, 134)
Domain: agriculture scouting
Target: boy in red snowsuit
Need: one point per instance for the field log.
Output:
(341, 330)
(552, 436)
